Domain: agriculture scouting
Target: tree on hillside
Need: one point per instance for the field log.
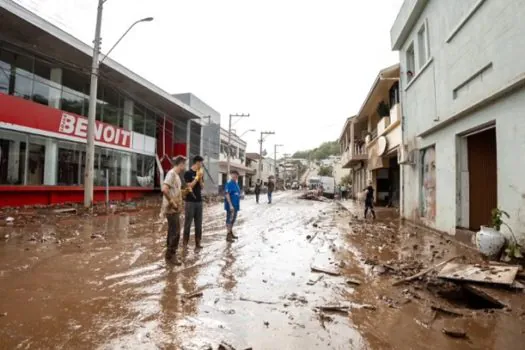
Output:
(325, 150)
(326, 171)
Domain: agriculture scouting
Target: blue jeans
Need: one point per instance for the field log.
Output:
(269, 197)
(231, 217)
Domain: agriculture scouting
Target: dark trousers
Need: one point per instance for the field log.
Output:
(193, 213)
(369, 205)
(270, 197)
(257, 194)
(173, 238)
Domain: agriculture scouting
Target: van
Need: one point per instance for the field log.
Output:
(328, 184)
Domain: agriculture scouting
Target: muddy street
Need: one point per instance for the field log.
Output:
(101, 282)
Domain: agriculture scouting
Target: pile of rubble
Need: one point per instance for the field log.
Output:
(313, 196)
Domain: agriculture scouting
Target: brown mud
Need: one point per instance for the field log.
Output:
(78, 281)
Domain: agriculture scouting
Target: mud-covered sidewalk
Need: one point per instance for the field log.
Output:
(303, 275)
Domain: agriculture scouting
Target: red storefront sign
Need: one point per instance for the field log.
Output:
(17, 111)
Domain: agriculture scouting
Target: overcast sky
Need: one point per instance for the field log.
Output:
(299, 67)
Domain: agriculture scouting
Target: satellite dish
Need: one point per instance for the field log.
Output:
(381, 145)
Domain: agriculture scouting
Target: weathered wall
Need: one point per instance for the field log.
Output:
(475, 49)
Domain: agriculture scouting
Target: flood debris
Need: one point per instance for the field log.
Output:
(65, 211)
(310, 239)
(353, 281)
(192, 295)
(493, 274)
(424, 272)
(9, 219)
(446, 311)
(322, 270)
(313, 282)
(257, 301)
(455, 332)
(486, 294)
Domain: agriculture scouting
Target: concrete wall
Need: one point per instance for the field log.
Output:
(475, 50)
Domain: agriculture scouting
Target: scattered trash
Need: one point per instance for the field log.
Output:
(446, 311)
(10, 220)
(4, 314)
(353, 281)
(266, 323)
(313, 282)
(193, 295)
(257, 301)
(312, 238)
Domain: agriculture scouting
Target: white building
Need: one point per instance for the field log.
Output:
(267, 168)
(463, 97)
(237, 149)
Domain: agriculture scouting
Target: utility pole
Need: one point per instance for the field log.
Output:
(261, 140)
(90, 151)
(275, 158)
(93, 89)
(228, 154)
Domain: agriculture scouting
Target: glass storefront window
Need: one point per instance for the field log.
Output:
(138, 118)
(69, 163)
(12, 157)
(36, 160)
(73, 102)
(111, 107)
(5, 76)
(151, 123)
(143, 170)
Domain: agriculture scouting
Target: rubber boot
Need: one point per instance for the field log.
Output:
(229, 237)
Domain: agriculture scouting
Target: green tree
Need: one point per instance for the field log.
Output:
(326, 171)
(325, 150)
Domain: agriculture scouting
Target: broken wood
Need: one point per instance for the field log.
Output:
(257, 301)
(65, 210)
(328, 272)
(455, 333)
(313, 282)
(424, 272)
(334, 308)
(193, 295)
(446, 311)
(353, 281)
(312, 238)
(484, 293)
(493, 274)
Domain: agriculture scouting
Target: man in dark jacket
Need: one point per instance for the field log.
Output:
(271, 187)
(193, 207)
(258, 186)
(369, 200)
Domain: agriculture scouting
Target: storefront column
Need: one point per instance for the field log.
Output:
(51, 162)
(13, 162)
(56, 89)
(125, 160)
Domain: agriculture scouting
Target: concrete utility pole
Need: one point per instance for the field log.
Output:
(261, 140)
(275, 157)
(93, 90)
(228, 154)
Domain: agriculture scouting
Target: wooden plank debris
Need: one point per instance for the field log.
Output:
(424, 272)
(328, 272)
(478, 273)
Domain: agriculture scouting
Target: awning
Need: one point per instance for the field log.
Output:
(243, 170)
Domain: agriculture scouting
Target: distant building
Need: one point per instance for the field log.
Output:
(237, 149)
(263, 171)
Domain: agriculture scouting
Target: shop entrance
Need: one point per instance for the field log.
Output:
(483, 177)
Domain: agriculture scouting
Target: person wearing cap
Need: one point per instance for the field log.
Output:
(172, 207)
(193, 210)
(232, 201)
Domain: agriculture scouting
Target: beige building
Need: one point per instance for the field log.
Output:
(370, 140)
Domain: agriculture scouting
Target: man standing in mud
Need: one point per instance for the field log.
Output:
(172, 207)
(232, 201)
(193, 208)
(258, 186)
(369, 200)
(271, 187)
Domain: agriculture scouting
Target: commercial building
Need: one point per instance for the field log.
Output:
(204, 139)
(463, 97)
(370, 140)
(44, 84)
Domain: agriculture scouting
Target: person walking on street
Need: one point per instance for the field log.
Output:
(172, 207)
(258, 186)
(271, 187)
(193, 208)
(369, 200)
(232, 201)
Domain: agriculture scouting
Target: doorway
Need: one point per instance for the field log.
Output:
(483, 177)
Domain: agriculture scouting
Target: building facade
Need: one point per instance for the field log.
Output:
(209, 137)
(237, 149)
(370, 141)
(462, 91)
(44, 87)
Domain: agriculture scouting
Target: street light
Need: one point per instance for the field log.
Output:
(247, 131)
(90, 146)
